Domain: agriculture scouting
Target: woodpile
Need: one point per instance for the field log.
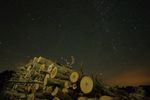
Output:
(44, 79)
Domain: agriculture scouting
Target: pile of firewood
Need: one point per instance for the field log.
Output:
(43, 79)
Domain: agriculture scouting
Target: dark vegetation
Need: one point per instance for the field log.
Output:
(4, 78)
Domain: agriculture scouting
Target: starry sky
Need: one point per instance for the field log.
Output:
(105, 36)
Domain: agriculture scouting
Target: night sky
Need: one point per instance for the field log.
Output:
(105, 36)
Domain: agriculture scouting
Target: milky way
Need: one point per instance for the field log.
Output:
(105, 36)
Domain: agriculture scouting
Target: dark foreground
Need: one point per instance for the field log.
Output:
(43, 79)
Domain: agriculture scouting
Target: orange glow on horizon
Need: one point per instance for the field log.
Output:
(131, 78)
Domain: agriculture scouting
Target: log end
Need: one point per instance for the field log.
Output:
(42, 67)
(65, 90)
(105, 98)
(50, 67)
(74, 77)
(46, 79)
(54, 72)
(67, 84)
(82, 98)
(86, 84)
(74, 86)
(54, 93)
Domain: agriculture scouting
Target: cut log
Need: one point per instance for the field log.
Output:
(65, 90)
(56, 90)
(69, 92)
(21, 88)
(67, 84)
(29, 68)
(20, 95)
(64, 70)
(74, 77)
(46, 79)
(29, 71)
(44, 72)
(45, 61)
(55, 73)
(40, 96)
(105, 98)
(82, 98)
(28, 74)
(57, 82)
(38, 67)
(29, 88)
(21, 73)
(74, 86)
(31, 96)
(48, 69)
(42, 67)
(86, 84)
(35, 87)
(61, 69)
(35, 60)
(37, 76)
(63, 96)
(48, 89)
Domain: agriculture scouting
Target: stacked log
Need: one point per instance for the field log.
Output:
(45, 79)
